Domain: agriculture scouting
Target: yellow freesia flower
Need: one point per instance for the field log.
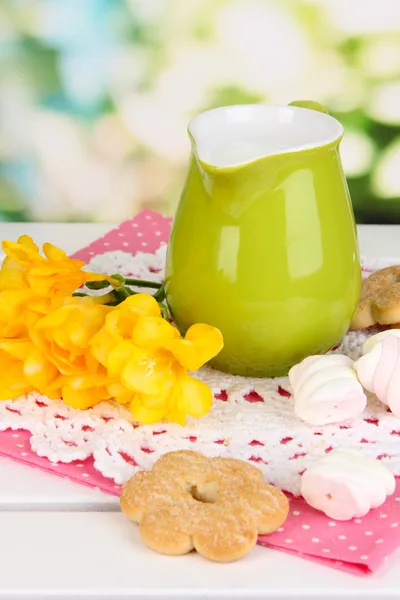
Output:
(63, 336)
(54, 274)
(61, 365)
(147, 361)
(32, 285)
(120, 323)
(84, 352)
(160, 375)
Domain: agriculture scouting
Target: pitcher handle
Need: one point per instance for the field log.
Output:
(311, 104)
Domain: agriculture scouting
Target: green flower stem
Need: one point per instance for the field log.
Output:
(143, 283)
(121, 294)
(97, 285)
(163, 309)
(104, 299)
(160, 294)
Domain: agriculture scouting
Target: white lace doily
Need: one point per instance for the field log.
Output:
(251, 419)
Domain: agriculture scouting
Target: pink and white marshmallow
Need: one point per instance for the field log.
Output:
(326, 390)
(378, 370)
(346, 486)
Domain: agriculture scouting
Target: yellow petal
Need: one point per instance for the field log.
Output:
(101, 345)
(54, 282)
(143, 413)
(120, 356)
(72, 326)
(89, 381)
(120, 393)
(18, 349)
(121, 321)
(27, 242)
(148, 373)
(201, 344)
(176, 416)
(53, 390)
(53, 394)
(12, 303)
(53, 321)
(11, 388)
(21, 253)
(81, 399)
(56, 254)
(193, 397)
(60, 337)
(39, 372)
(89, 323)
(13, 307)
(91, 364)
(144, 305)
(44, 306)
(12, 275)
(154, 332)
(12, 379)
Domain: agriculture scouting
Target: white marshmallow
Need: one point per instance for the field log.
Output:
(378, 337)
(378, 370)
(345, 486)
(326, 390)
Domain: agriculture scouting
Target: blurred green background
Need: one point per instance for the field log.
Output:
(95, 95)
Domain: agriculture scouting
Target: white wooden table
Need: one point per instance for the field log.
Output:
(60, 540)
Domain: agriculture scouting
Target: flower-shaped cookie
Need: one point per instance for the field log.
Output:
(379, 300)
(216, 506)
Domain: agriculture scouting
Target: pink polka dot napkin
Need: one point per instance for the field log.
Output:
(360, 546)
(145, 233)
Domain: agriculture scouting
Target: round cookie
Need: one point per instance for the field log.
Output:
(380, 299)
(217, 506)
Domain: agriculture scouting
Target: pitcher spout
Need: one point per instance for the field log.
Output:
(231, 136)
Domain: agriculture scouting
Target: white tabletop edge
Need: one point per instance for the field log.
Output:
(97, 555)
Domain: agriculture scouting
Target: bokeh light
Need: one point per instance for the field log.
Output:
(95, 95)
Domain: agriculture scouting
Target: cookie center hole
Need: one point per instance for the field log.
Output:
(205, 492)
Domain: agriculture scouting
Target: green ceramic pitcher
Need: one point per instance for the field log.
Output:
(264, 243)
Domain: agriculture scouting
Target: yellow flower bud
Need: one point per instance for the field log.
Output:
(54, 274)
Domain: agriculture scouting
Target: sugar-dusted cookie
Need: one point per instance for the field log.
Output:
(216, 506)
(379, 300)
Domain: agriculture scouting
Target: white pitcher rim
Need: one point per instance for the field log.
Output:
(259, 130)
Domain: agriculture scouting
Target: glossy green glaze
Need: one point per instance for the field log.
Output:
(267, 252)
